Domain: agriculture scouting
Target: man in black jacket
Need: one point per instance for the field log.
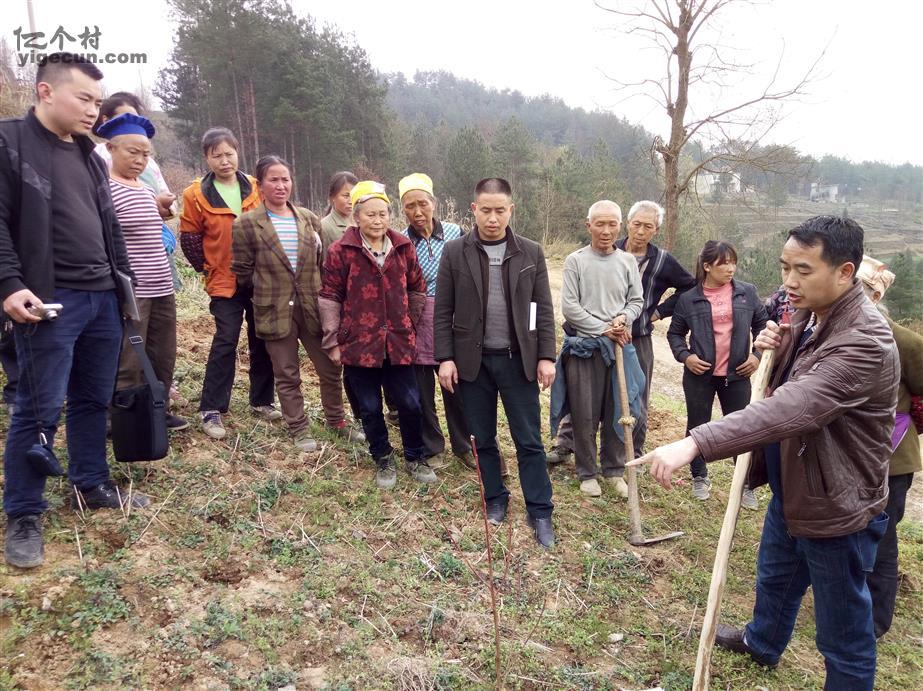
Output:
(494, 334)
(59, 242)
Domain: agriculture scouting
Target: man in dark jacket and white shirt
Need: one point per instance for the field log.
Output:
(60, 242)
(822, 440)
(494, 335)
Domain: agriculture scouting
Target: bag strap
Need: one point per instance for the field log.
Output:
(137, 342)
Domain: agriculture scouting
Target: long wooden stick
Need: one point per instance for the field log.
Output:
(627, 421)
(723, 553)
(490, 566)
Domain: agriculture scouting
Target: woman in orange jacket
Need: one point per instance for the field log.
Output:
(210, 206)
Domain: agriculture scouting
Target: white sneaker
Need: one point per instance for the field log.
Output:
(305, 442)
(748, 500)
(267, 412)
(701, 488)
(212, 425)
(619, 485)
(591, 488)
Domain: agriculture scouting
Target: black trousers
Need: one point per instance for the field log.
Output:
(366, 384)
(883, 579)
(502, 376)
(229, 314)
(433, 441)
(700, 393)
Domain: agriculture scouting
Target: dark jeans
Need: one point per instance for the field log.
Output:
(75, 356)
(644, 347)
(8, 363)
(836, 568)
(883, 580)
(700, 393)
(503, 375)
(433, 441)
(400, 384)
(351, 399)
(229, 315)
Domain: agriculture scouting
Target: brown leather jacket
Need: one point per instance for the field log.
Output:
(833, 417)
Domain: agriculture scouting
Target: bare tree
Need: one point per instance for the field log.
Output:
(694, 64)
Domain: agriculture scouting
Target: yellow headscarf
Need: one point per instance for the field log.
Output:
(415, 181)
(368, 189)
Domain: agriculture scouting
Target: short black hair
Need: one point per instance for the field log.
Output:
(842, 239)
(218, 135)
(493, 186)
(267, 162)
(54, 67)
(113, 103)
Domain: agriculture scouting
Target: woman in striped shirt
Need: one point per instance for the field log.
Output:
(136, 206)
(278, 252)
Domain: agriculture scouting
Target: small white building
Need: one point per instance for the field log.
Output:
(825, 192)
(708, 183)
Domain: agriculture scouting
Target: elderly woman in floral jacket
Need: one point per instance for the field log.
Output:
(371, 300)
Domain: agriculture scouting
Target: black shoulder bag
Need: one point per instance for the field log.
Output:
(139, 413)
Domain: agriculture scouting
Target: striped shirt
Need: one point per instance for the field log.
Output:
(429, 250)
(287, 230)
(142, 227)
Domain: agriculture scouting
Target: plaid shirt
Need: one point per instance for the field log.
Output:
(429, 250)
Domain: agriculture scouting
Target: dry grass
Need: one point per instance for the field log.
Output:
(264, 567)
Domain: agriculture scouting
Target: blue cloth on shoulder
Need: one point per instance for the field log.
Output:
(169, 239)
(584, 347)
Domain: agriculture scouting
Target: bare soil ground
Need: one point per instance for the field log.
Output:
(260, 567)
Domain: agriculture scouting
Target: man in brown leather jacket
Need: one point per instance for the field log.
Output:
(823, 439)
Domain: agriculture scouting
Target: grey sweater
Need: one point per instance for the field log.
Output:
(597, 288)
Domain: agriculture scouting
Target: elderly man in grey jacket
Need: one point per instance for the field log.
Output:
(600, 298)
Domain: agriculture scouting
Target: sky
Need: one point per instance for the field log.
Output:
(863, 103)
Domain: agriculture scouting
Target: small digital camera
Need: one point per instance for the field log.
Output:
(47, 312)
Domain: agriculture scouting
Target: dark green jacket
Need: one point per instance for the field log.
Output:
(906, 457)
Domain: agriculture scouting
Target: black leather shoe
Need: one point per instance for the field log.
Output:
(24, 547)
(732, 639)
(105, 496)
(544, 531)
(496, 513)
(175, 423)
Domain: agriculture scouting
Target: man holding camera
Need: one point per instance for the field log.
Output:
(60, 243)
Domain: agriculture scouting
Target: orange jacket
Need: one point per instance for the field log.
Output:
(205, 230)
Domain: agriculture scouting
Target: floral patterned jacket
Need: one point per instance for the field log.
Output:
(371, 312)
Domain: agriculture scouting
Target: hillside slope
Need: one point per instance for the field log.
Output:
(258, 567)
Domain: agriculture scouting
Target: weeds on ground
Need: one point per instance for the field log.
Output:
(259, 567)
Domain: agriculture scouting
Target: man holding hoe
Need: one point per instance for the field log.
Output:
(822, 440)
